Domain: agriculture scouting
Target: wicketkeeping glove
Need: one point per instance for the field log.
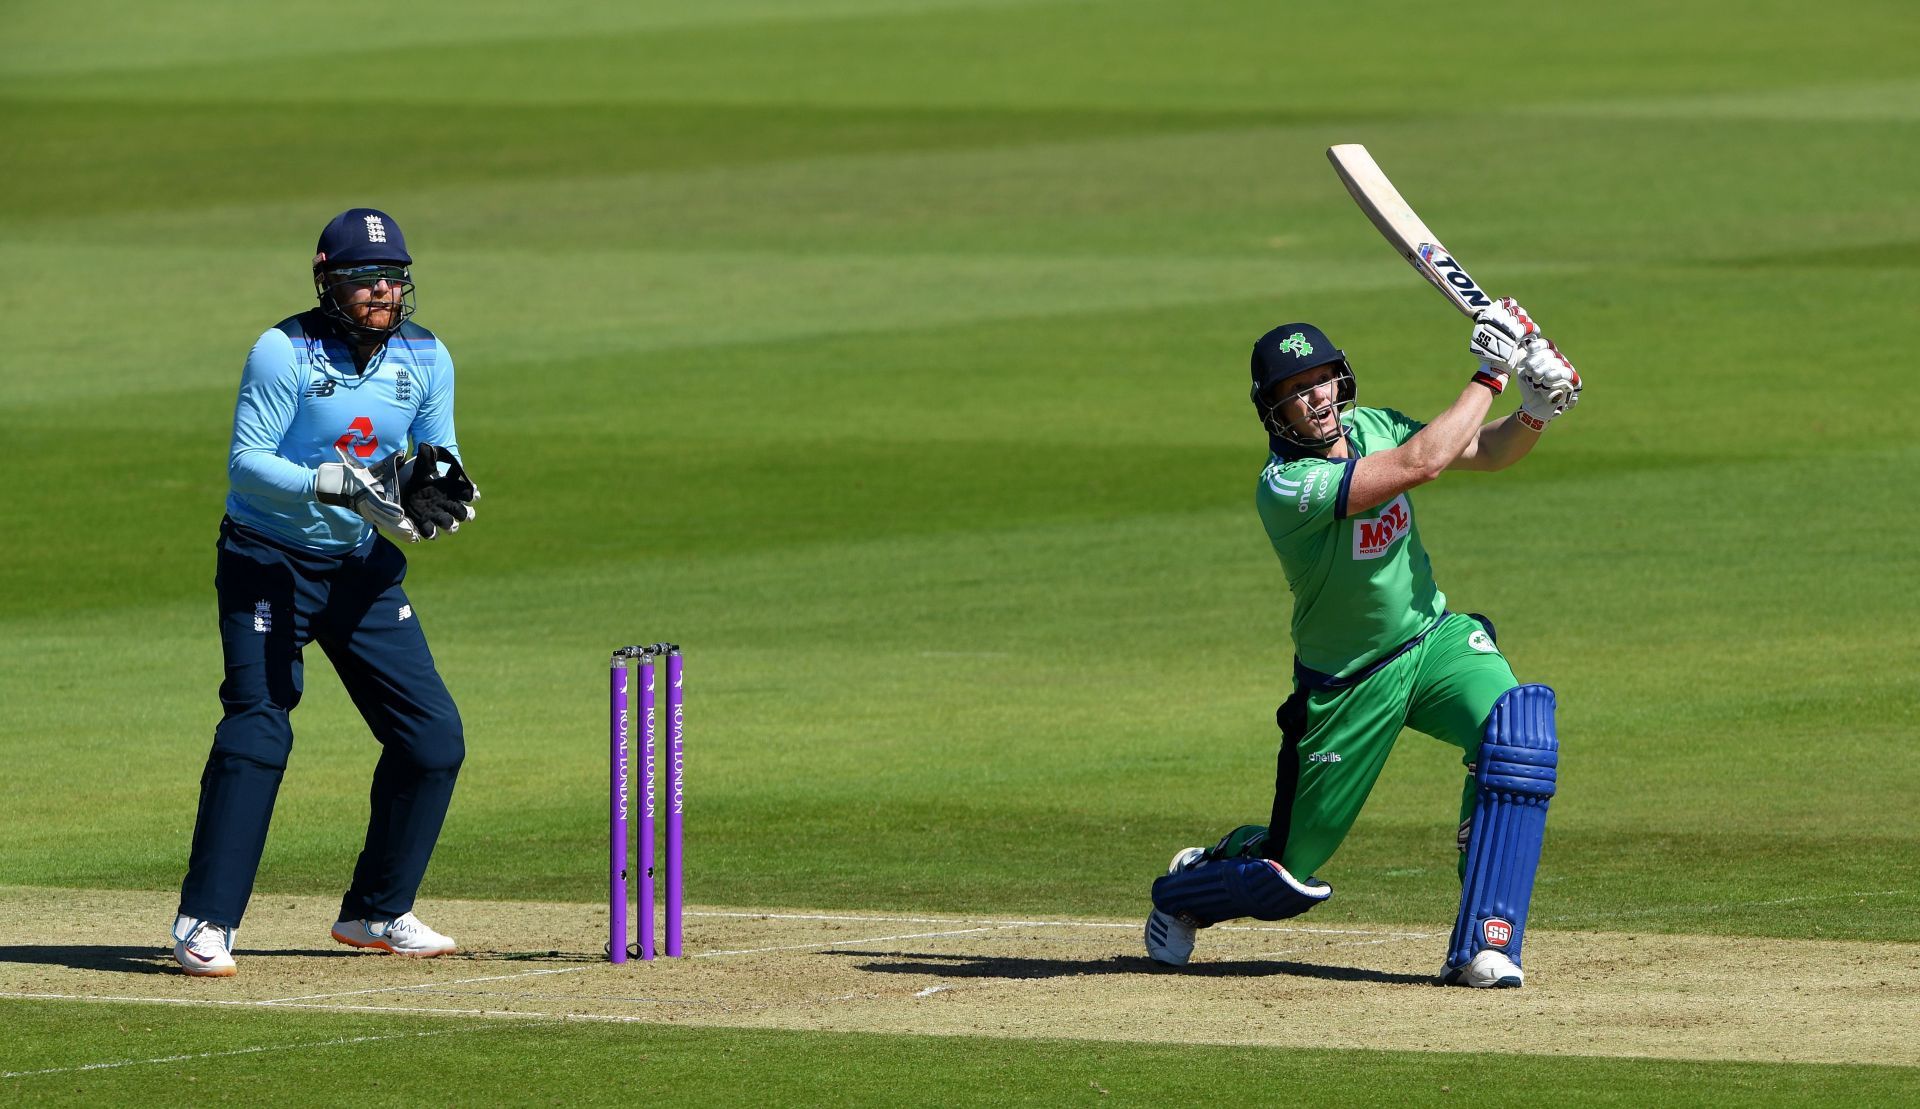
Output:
(408, 499)
(1500, 338)
(373, 492)
(1549, 385)
(434, 500)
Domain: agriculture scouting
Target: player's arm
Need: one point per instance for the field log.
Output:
(268, 400)
(1501, 340)
(1378, 478)
(1549, 385)
(1498, 445)
(434, 422)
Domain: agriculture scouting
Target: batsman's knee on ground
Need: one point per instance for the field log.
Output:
(1222, 889)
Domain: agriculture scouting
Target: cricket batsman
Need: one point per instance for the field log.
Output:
(1377, 650)
(322, 490)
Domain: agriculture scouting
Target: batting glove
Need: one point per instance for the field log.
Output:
(1549, 385)
(1500, 337)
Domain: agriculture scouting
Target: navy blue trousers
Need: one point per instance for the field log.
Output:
(274, 600)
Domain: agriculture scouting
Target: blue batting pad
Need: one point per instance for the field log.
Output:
(1515, 769)
(1222, 889)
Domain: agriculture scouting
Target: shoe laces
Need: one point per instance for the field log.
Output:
(206, 936)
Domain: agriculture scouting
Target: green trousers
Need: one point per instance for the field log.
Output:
(1335, 741)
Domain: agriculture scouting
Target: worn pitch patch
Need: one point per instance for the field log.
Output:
(1287, 984)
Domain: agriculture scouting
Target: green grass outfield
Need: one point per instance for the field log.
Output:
(890, 356)
(303, 1057)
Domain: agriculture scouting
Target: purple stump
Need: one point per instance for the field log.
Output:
(648, 760)
(676, 800)
(617, 725)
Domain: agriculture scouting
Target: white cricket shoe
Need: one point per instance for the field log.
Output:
(1169, 939)
(1487, 970)
(403, 935)
(202, 948)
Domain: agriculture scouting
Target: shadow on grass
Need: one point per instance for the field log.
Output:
(995, 966)
(127, 959)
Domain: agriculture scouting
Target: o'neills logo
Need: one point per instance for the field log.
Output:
(1497, 932)
(1372, 538)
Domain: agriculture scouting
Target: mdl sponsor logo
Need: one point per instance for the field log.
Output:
(1372, 538)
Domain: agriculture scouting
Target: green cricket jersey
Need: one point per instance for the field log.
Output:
(1362, 585)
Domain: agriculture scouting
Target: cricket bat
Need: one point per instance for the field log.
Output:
(1403, 228)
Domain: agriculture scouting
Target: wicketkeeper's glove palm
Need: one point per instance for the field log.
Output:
(407, 499)
(436, 501)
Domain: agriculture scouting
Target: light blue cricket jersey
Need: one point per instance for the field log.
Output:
(300, 396)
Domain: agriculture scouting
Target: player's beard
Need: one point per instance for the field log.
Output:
(377, 315)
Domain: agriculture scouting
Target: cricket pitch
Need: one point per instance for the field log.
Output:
(1284, 985)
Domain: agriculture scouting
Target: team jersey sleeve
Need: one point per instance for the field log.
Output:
(1397, 426)
(434, 422)
(269, 398)
(1307, 495)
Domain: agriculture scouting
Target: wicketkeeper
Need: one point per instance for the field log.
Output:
(1376, 649)
(322, 487)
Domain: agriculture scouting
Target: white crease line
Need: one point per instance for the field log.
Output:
(341, 1042)
(492, 1014)
(1328, 931)
(528, 995)
(1000, 923)
(839, 943)
(857, 919)
(421, 985)
(262, 1004)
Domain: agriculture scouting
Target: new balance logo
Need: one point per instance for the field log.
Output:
(406, 612)
(322, 388)
(376, 230)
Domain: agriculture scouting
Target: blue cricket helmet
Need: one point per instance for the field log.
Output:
(361, 235)
(1287, 350)
(363, 247)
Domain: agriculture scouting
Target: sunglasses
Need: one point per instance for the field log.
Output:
(369, 275)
